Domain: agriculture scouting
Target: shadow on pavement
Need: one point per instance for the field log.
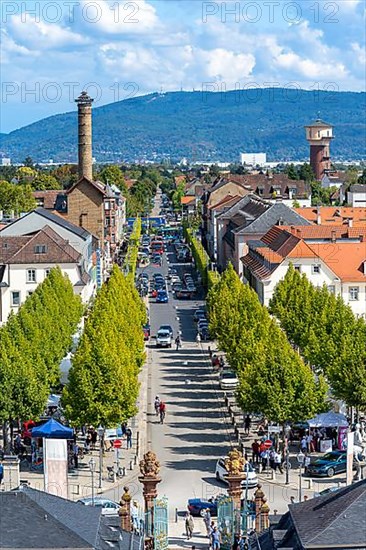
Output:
(199, 464)
(206, 450)
(195, 425)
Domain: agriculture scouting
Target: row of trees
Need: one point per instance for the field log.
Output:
(132, 250)
(32, 344)
(328, 334)
(15, 198)
(273, 378)
(201, 259)
(103, 380)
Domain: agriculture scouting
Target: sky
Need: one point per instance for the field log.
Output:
(51, 50)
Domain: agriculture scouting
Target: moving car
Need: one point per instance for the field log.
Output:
(250, 481)
(168, 328)
(228, 380)
(163, 339)
(183, 294)
(162, 297)
(156, 259)
(197, 506)
(175, 279)
(328, 465)
(109, 508)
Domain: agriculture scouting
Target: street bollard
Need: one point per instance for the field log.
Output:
(176, 515)
(135, 460)
(123, 470)
(131, 464)
(273, 475)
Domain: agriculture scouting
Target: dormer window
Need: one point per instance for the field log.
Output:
(40, 249)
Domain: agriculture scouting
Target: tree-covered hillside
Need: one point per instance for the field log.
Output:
(200, 126)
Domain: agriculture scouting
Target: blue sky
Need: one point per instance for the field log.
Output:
(52, 49)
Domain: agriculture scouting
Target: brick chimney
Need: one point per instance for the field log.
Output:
(84, 103)
(333, 236)
(350, 222)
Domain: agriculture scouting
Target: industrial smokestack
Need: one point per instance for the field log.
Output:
(84, 103)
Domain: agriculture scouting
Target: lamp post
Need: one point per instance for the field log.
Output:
(287, 450)
(92, 466)
(100, 434)
(300, 459)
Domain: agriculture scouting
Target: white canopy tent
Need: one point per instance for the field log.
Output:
(328, 420)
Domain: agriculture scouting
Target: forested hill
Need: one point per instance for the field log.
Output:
(200, 126)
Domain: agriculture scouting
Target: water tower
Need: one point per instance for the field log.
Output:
(319, 135)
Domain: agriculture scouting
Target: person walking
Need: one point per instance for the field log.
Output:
(278, 462)
(75, 451)
(162, 410)
(198, 338)
(207, 521)
(247, 424)
(178, 342)
(215, 537)
(129, 438)
(189, 525)
(1, 471)
(255, 451)
(157, 405)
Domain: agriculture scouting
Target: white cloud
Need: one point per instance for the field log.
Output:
(38, 34)
(308, 68)
(360, 53)
(122, 17)
(10, 49)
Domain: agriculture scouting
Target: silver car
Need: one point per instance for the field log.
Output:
(109, 508)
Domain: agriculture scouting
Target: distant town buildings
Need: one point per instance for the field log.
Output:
(253, 159)
(5, 161)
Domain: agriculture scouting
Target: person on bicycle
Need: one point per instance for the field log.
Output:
(162, 412)
(157, 405)
(178, 342)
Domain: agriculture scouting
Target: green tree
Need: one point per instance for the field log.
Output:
(43, 182)
(112, 174)
(362, 178)
(306, 173)
(17, 198)
(291, 172)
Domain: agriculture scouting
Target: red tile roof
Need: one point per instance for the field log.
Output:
(187, 200)
(334, 215)
(48, 198)
(325, 231)
(346, 260)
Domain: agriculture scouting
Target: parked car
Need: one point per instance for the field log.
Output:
(156, 260)
(228, 380)
(175, 279)
(146, 330)
(177, 286)
(183, 294)
(162, 297)
(163, 339)
(328, 465)
(199, 314)
(251, 480)
(109, 508)
(197, 506)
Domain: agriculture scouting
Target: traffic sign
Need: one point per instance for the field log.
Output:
(268, 443)
(117, 444)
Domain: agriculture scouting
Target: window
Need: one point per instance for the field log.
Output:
(40, 249)
(293, 190)
(315, 268)
(297, 267)
(15, 298)
(47, 271)
(331, 289)
(353, 293)
(31, 276)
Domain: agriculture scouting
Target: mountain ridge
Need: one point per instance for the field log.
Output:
(200, 126)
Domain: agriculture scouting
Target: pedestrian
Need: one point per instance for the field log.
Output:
(264, 458)
(307, 461)
(123, 428)
(215, 537)
(135, 516)
(309, 442)
(209, 352)
(1, 471)
(178, 342)
(292, 499)
(278, 462)
(94, 436)
(255, 451)
(304, 444)
(129, 438)
(222, 362)
(157, 405)
(272, 454)
(198, 338)
(207, 521)
(247, 424)
(75, 451)
(162, 409)
(189, 525)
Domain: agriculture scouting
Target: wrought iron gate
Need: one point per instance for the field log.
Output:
(226, 521)
(160, 526)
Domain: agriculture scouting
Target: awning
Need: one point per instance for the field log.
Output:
(53, 430)
(328, 420)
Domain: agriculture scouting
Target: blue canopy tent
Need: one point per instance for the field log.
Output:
(53, 430)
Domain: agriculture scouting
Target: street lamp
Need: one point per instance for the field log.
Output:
(287, 450)
(300, 459)
(100, 431)
(92, 466)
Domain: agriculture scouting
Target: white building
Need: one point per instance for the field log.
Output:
(253, 159)
(5, 161)
(356, 196)
(337, 262)
(34, 244)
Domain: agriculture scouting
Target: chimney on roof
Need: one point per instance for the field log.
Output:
(350, 222)
(334, 236)
(280, 221)
(298, 233)
(318, 216)
(84, 103)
